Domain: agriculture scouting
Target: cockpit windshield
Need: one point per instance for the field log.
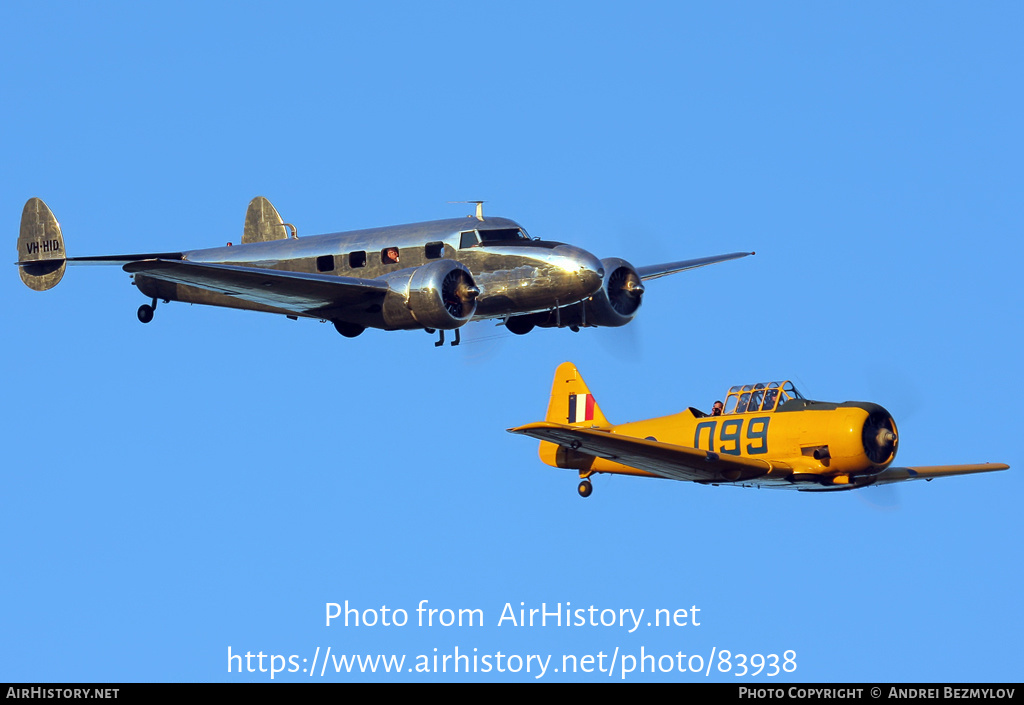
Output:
(503, 235)
(760, 397)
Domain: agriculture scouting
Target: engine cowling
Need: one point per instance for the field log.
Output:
(861, 436)
(614, 304)
(617, 301)
(879, 437)
(440, 294)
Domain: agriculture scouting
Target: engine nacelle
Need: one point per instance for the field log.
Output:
(440, 294)
(860, 437)
(613, 305)
(879, 437)
(619, 298)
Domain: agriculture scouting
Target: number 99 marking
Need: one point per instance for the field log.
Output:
(732, 435)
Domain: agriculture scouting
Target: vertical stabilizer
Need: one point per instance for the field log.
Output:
(262, 222)
(571, 401)
(41, 255)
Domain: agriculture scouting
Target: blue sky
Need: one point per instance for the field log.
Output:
(212, 480)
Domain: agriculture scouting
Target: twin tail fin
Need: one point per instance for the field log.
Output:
(41, 255)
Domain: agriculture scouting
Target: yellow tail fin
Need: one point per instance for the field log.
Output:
(571, 401)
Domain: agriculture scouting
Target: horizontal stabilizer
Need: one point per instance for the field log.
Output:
(41, 255)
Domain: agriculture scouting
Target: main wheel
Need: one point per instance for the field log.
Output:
(349, 330)
(585, 488)
(145, 313)
(519, 325)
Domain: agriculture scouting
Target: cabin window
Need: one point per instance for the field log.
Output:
(389, 255)
(357, 259)
(469, 239)
(434, 250)
(325, 263)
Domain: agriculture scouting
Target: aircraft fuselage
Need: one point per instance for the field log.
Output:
(515, 276)
(800, 439)
(434, 276)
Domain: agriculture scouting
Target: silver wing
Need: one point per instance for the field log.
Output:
(318, 295)
(653, 271)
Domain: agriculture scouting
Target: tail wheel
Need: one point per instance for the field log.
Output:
(585, 488)
(145, 313)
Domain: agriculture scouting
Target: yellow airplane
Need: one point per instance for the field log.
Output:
(767, 435)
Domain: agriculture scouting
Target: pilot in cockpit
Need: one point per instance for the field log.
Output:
(742, 406)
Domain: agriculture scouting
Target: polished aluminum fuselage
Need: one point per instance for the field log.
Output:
(514, 276)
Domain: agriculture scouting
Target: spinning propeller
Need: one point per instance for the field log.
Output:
(625, 291)
(459, 294)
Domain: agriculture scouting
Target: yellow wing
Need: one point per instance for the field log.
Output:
(930, 472)
(661, 459)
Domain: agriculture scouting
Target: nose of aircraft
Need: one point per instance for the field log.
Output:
(880, 436)
(585, 266)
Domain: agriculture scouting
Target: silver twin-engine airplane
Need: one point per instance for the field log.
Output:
(432, 276)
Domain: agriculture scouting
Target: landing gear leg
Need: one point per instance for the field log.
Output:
(146, 312)
(440, 337)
